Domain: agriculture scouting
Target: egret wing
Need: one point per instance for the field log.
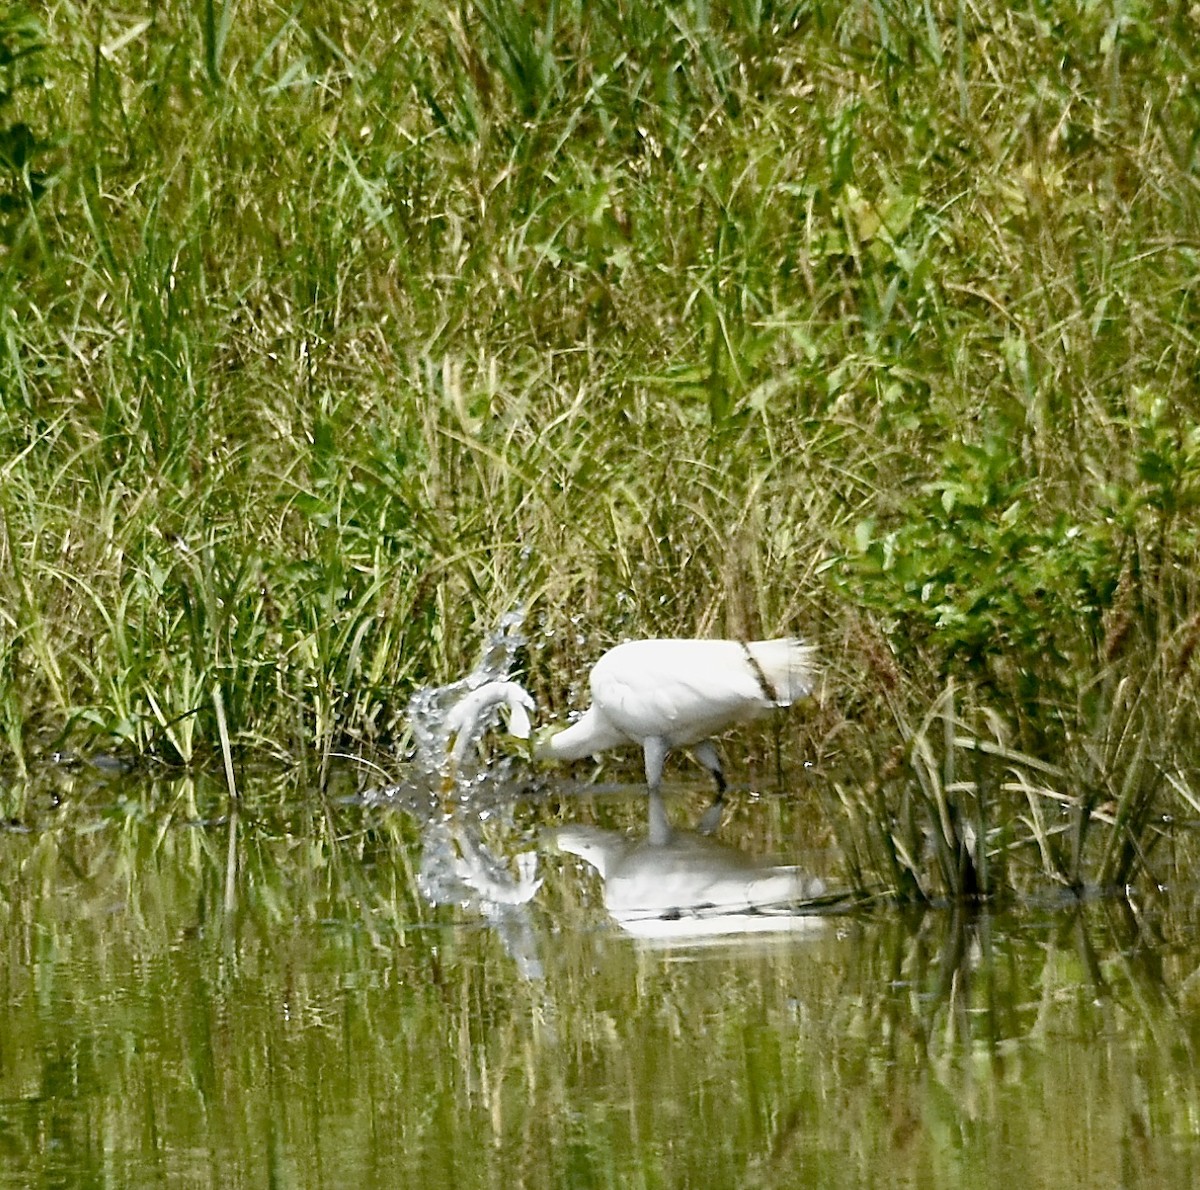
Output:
(682, 691)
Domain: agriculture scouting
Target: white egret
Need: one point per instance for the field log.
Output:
(665, 694)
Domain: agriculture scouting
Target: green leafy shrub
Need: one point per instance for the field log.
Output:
(977, 569)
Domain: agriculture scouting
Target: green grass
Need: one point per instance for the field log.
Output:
(330, 332)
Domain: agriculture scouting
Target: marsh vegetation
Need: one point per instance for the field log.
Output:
(329, 333)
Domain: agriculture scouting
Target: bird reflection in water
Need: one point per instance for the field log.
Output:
(459, 867)
(680, 885)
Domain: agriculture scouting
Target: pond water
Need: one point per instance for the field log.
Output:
(331, 989)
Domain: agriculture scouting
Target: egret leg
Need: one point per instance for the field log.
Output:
(706, 753)
(655, 750)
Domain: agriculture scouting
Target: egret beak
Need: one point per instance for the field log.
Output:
(518, 718)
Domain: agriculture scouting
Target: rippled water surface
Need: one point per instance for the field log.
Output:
(331, 989)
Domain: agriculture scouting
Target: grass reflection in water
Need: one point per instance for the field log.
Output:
(189, 1012)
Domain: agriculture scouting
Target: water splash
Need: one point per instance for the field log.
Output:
(471, 856)
(446, 721)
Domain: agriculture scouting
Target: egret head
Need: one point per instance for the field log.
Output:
(467, 719)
